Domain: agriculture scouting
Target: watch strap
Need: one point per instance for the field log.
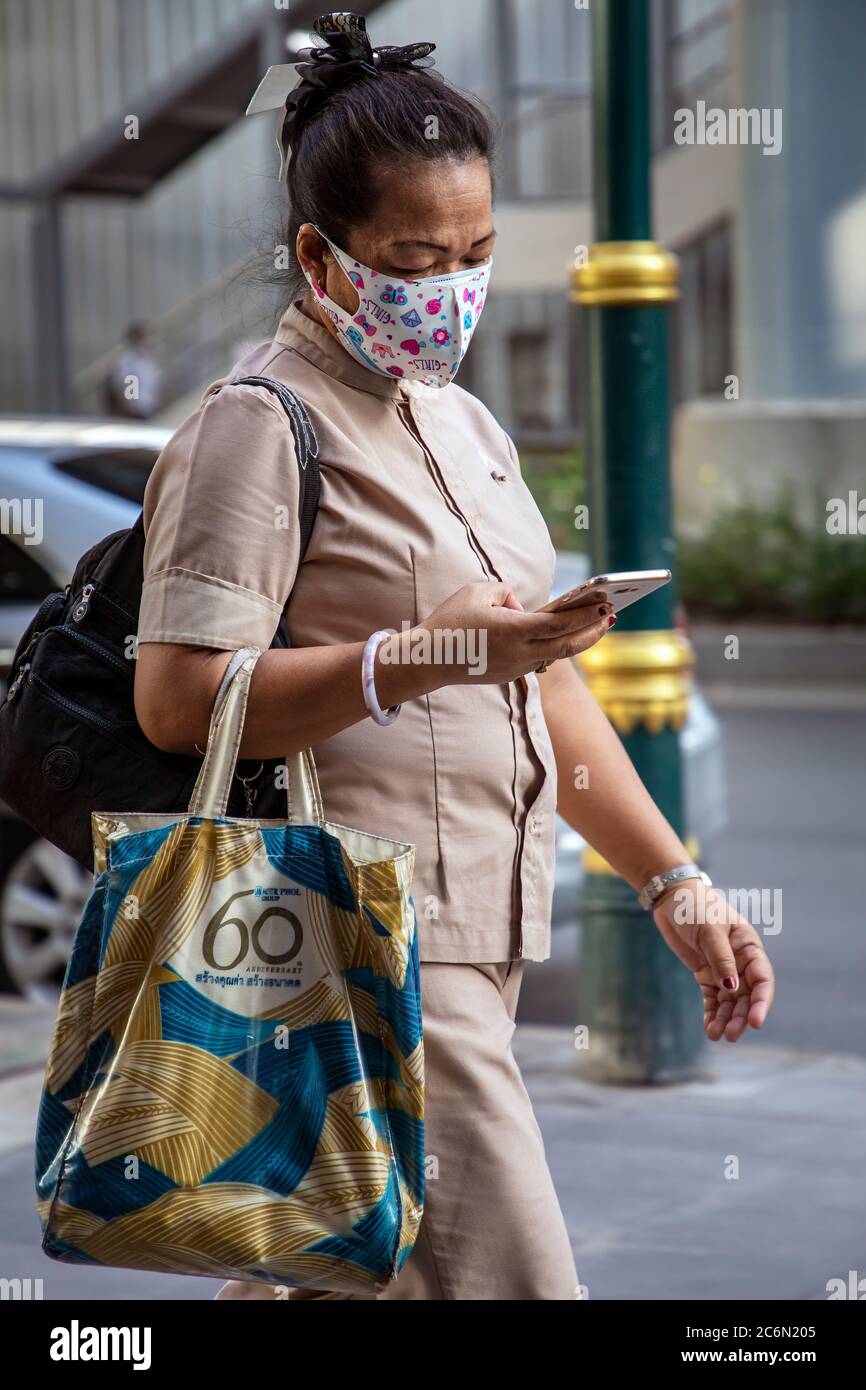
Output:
(660, 883)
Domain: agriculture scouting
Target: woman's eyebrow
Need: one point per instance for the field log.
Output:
(435, 246)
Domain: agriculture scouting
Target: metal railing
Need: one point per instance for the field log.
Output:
(197, 339)
(66, 67)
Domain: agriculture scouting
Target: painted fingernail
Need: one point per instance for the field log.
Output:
(611, 620)
(730, 982)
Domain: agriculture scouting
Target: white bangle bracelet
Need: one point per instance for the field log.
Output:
(368, 679)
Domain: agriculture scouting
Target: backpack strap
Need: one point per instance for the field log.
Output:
(306, 452)
(306, 449)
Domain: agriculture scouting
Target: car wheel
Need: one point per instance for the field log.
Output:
(42, 896)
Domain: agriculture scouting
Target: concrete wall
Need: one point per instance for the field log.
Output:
(730, 452)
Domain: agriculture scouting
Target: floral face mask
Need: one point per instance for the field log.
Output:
(413, 329)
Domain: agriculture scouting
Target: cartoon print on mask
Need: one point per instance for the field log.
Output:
(454, 299)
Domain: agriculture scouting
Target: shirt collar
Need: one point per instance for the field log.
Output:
(313, 341)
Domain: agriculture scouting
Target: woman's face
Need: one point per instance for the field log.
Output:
(432, 219)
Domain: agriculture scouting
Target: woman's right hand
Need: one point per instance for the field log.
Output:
(481, 633)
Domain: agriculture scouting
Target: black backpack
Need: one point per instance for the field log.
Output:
(70, 742)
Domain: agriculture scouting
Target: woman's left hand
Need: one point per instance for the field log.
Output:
(718, 946)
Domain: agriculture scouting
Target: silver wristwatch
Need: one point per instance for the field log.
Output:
(659, 883)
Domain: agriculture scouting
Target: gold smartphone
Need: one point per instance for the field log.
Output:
(619, 590)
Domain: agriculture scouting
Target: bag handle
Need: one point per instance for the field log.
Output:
(211, 791)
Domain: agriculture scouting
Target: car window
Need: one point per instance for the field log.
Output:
(22, 578)
(123, 473)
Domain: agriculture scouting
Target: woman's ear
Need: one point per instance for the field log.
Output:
(311, 251)
(316, 257)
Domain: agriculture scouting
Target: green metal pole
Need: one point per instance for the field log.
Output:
(644, 1015)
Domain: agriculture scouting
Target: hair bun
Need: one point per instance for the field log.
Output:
(346, 56)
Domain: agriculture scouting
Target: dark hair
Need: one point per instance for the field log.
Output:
(368, 125)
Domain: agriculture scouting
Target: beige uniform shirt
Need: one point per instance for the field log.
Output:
(420, 493)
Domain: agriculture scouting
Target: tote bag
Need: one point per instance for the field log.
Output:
(235, 1083)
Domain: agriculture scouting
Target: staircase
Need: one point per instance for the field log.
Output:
(148, 194)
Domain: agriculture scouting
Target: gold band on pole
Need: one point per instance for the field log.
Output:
(626, 272)
(641, 678)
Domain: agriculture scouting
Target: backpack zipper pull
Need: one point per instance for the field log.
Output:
(21, 673)
(16, 684)
(80, 610)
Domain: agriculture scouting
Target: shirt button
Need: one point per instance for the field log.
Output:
(535, 825)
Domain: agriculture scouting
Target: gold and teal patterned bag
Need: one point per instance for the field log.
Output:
(235, 1086)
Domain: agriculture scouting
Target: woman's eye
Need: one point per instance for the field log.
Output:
(428, 272)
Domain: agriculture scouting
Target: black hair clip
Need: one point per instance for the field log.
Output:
(347, 40)
(302, 88)
(347, 52)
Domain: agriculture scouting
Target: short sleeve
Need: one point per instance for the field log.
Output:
(222, 536)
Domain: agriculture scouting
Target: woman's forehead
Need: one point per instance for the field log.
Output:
(434, 205)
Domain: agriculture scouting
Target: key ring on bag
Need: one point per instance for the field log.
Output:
(247, 781)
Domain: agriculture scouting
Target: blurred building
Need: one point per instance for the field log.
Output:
(133, 191)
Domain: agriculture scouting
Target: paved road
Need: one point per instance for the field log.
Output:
(797, 801)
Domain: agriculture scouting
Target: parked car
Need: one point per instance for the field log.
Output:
(81, 479)
(90, 476)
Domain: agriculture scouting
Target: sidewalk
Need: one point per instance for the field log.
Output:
(640, 1172)
(25, 1031)
(781, 665)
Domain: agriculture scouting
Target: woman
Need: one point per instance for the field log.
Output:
(426, 529)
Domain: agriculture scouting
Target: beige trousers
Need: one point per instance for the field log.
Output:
(492, 1228)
